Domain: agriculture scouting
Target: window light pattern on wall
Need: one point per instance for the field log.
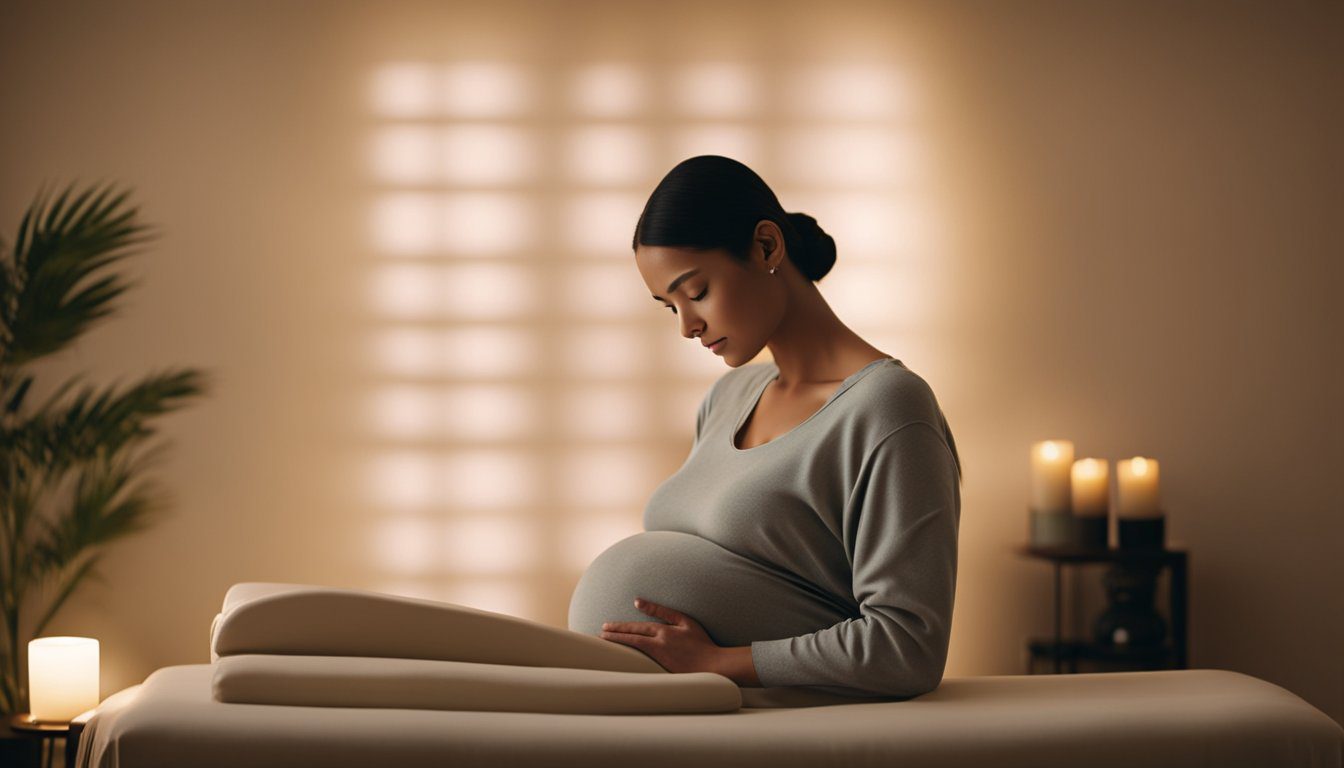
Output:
(524, 383)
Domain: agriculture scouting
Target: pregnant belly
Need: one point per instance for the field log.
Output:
(735, 599)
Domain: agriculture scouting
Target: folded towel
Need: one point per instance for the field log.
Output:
(360, 681)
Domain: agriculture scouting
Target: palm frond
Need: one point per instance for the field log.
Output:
(101, 419)
(106, 505)
(61, 244)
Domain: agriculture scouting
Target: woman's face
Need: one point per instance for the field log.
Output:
(713, 296)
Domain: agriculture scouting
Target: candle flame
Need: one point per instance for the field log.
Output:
(1049, 450)
(1089, 467)
(1138, 465)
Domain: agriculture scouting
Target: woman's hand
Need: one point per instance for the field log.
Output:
(681, 645)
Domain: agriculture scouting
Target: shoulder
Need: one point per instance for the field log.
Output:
(893, 396)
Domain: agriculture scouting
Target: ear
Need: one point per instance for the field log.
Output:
(770, 240)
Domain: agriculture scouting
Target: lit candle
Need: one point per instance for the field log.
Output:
(62, 677)
(1137, 485)
(1051, 461)
(1091, 487)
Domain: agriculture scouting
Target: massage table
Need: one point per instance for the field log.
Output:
(317, 676)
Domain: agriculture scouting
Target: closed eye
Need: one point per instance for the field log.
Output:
(693, 298)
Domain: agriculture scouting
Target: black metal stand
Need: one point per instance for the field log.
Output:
(1131, 578)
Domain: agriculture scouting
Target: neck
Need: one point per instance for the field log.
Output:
(812, 345)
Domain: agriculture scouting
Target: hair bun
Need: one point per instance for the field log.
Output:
(817, 253)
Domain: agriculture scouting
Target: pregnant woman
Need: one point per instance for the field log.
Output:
(810, 537)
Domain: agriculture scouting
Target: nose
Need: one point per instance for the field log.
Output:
(691, 327)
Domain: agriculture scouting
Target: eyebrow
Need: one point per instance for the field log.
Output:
(677, 282)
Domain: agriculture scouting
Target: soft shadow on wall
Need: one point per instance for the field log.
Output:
(525, 394)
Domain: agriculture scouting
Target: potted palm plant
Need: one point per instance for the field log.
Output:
(72, 466)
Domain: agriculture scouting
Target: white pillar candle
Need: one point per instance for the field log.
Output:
(1137, 488)
(1051, 462)
(1091, 487)
(62, 677)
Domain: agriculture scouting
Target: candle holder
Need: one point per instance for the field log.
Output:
(1091, 531)
(1051, 529)
(1142, 532)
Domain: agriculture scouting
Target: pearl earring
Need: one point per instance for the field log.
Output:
(772, 270)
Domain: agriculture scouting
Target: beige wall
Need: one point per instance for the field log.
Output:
(1113, 223)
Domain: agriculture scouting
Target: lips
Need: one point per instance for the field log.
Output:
(711, 344)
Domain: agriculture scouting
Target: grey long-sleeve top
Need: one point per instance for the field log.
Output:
(831, 550)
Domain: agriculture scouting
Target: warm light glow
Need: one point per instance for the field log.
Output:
(474, 479)
(403, 480)
(1052, 476)
(840, 156)
(848, 92)
(1090, 487)
(405, 224)
(465, 155)
(404, 90)
(485, 89)
(419, 546)
(716, 90)
(597, 352)
(586, 537)
(482, 223)
(62, 677)
(605, 477)
(602, 224)
(885, 228)
(404, 154)
(606, 412)
(738, 142)
(479, 291)
(489, 545)
(483, 413)
(608, 155)
(475, 352)
(405, 545)
(892, 293)
(468, 223)
(611, 291)
(610, 90)
(1137, 490)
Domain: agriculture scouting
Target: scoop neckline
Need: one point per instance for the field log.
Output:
(760, 391)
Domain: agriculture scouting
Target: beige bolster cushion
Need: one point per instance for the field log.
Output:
(268, 618)
(335, 681)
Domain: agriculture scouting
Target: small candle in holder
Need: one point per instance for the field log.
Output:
(1091, 487)
(1137, 488)
(1051, 461)
(1091, 503)
(62, 677)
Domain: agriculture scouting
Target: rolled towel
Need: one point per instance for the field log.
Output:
(361, 681)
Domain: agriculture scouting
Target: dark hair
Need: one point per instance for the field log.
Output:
(710, 201)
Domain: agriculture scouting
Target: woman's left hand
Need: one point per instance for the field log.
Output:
(681, 645)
